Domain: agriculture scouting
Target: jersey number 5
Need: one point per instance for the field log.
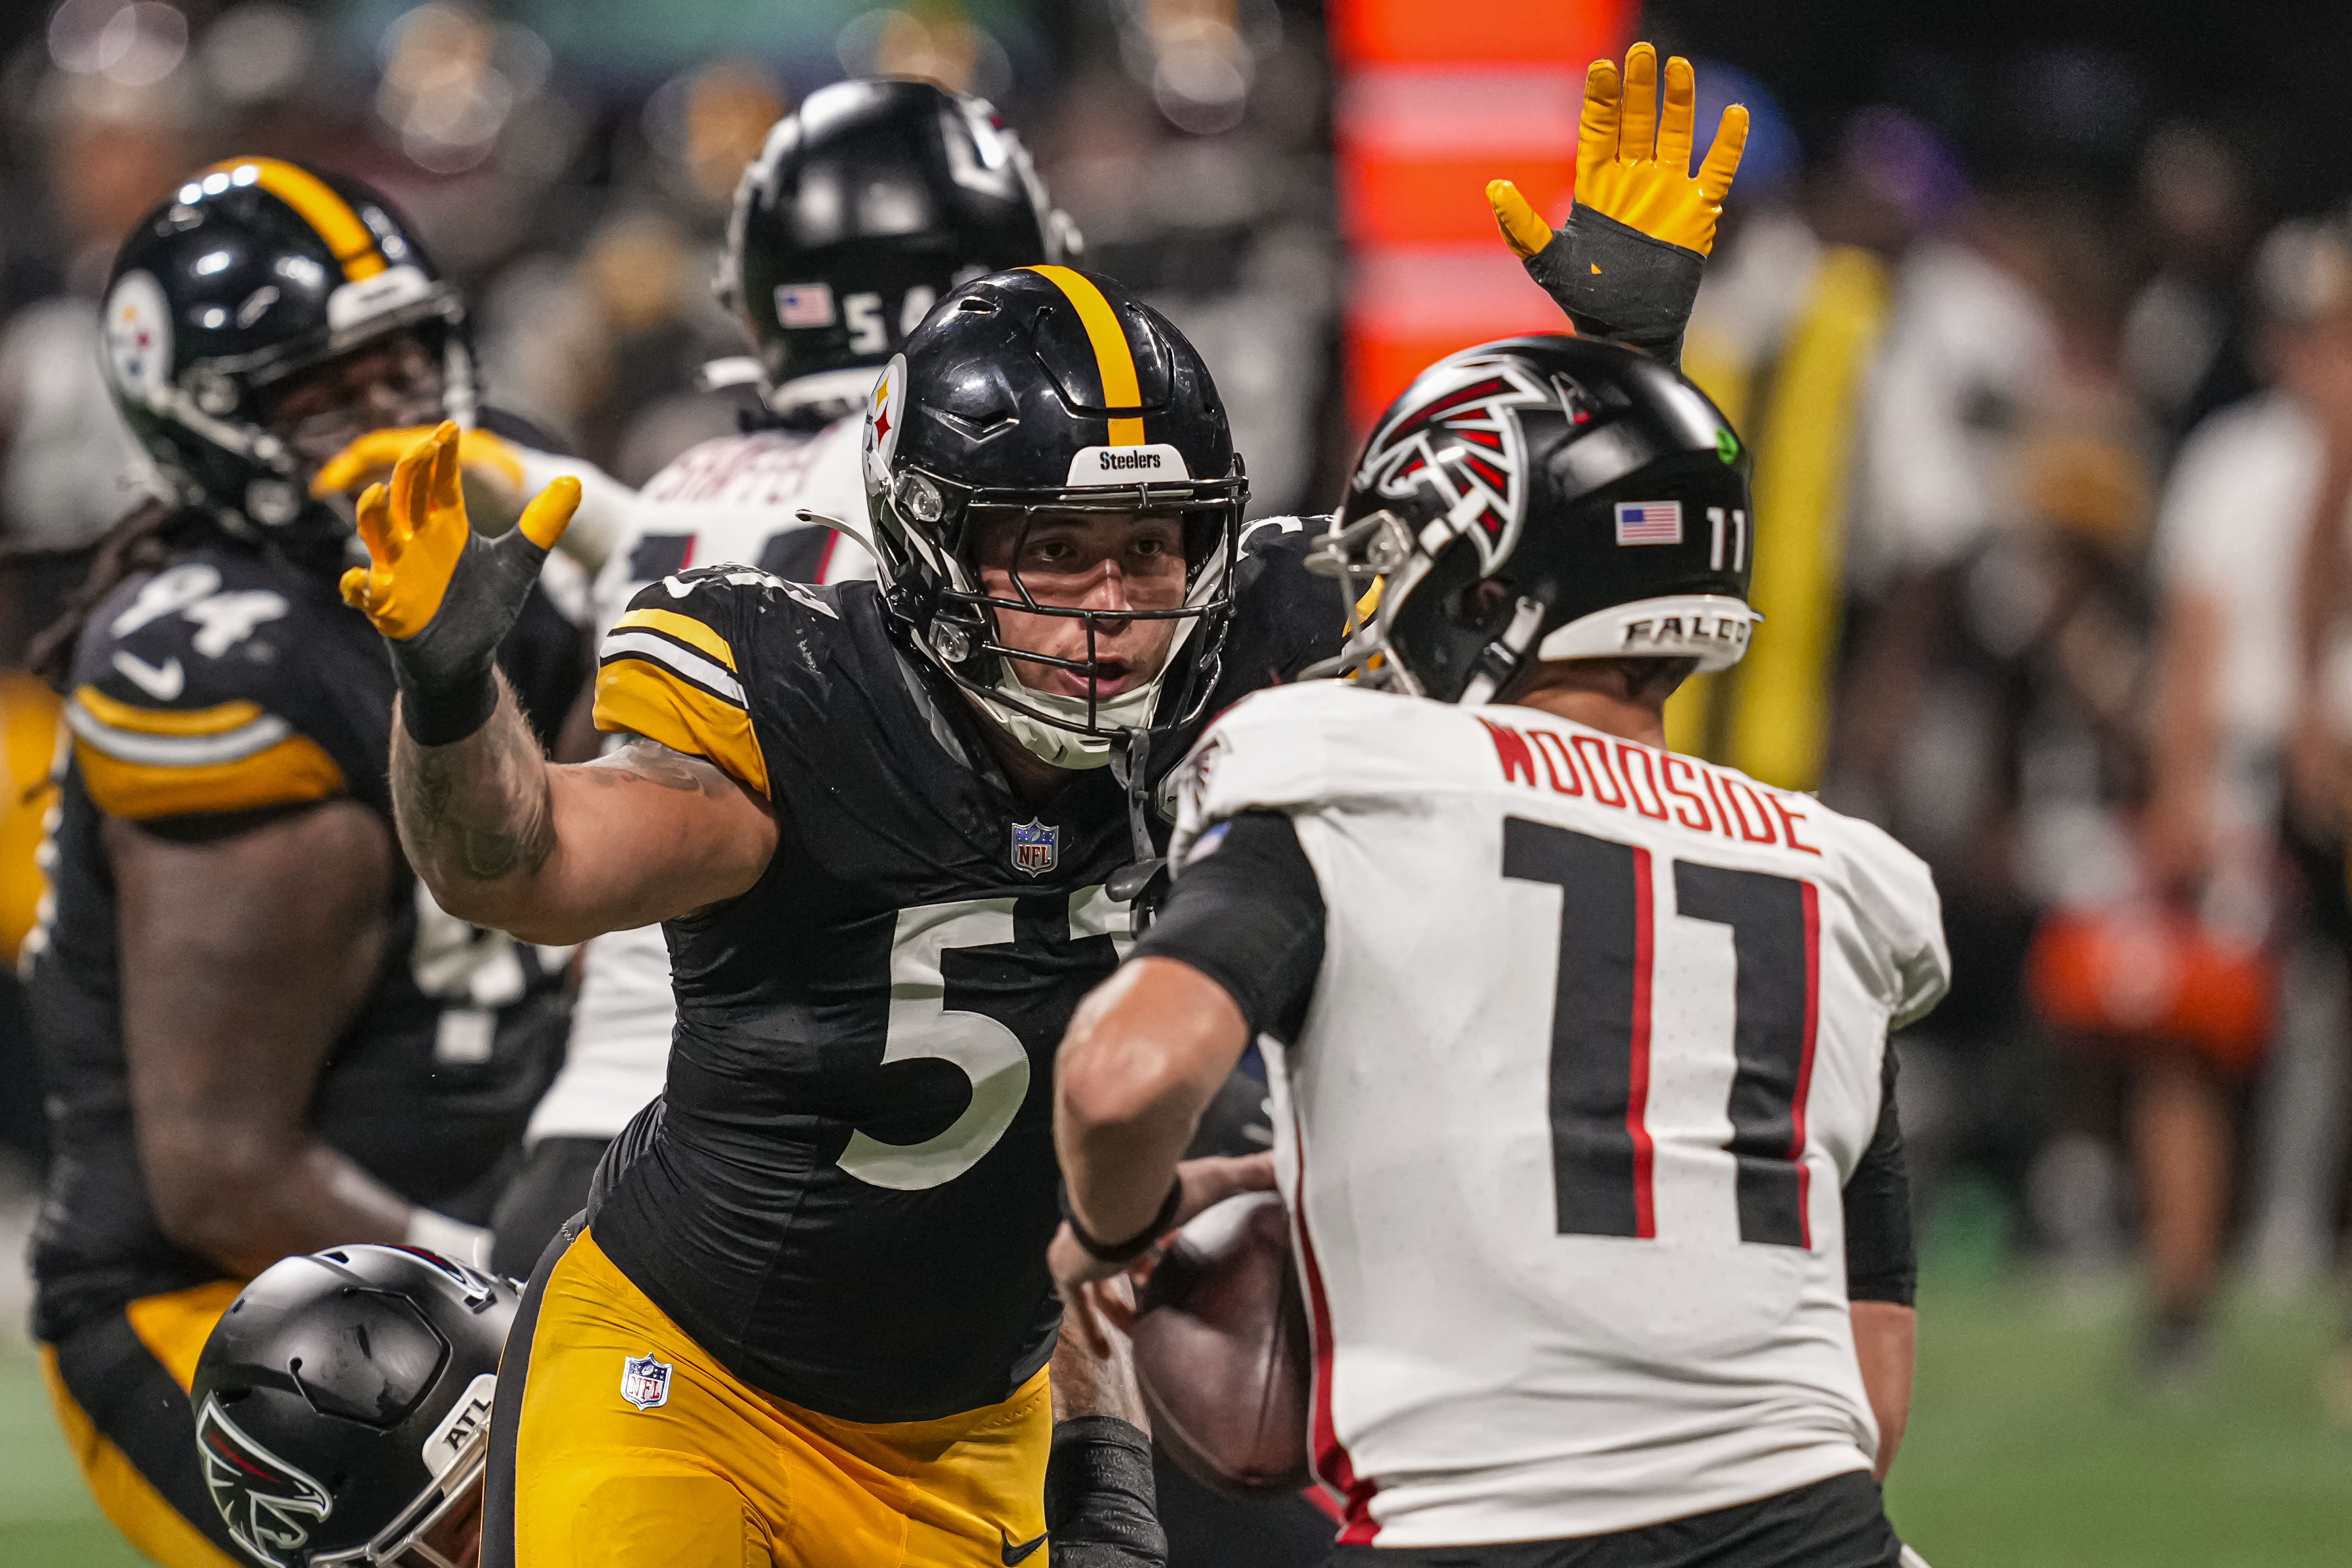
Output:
(923, 1025)
(1601, 1149)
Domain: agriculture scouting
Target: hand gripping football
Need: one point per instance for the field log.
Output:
(1221, 1351)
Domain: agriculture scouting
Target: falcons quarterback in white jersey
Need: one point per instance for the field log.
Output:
(1584, 1101)
(826, 300)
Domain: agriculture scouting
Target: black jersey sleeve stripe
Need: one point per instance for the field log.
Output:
(1881, 1262)
(1247, 911)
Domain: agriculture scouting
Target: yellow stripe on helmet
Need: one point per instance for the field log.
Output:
(353, 242)
(1114, 360)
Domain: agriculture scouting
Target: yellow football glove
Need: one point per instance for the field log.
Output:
(496, 486)
(1627, 263)
(443, 595)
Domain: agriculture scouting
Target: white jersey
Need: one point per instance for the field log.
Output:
(730, 499)
(1596, 1043)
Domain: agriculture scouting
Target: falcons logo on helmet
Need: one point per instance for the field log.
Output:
(1458, 434)
(269, 1505)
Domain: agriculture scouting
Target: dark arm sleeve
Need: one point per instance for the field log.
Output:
(1880, 1264)
(1248, 913)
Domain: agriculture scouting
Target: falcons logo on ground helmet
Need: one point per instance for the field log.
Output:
(1456, 433)
(269, 1505)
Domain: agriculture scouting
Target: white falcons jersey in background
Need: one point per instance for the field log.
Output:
(1596, 1043)
(732, 499)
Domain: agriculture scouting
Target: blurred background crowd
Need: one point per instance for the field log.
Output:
(2038, 319)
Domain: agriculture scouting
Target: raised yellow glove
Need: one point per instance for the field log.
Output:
(492, 471)
(1633, 163)
(443, 595)
(1627, 263)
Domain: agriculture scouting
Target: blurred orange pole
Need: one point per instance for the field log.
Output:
(1433, 101)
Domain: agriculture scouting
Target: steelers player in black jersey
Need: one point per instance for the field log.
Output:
(896, 830)
(260, 1035)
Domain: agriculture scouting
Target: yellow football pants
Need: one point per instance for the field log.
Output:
(717, 1475)
(121, 1391)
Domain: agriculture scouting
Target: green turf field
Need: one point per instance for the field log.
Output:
(2025, 1450)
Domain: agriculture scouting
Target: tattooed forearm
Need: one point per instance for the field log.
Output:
(507, 839)
(476, 811)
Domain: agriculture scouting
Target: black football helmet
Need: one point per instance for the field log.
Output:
(1045, 388)
(1543, 498)
(258, 269)
(866, 204)
(342, 1404)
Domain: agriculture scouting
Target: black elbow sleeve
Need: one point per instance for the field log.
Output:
(1881, 1263)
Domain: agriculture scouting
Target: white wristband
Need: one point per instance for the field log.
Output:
(451, 1238)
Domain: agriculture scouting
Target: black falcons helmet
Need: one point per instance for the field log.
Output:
(343, 1402)
(1543, 498)
(257, 270)
(866, 204)
(1049, 388)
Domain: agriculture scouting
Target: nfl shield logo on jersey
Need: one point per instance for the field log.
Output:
(644, 1382)
(1036, 848)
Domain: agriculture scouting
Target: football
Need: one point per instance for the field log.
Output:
(1221, 1351)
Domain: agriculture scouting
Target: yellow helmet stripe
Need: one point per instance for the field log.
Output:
(1114, 360)
(353, 242)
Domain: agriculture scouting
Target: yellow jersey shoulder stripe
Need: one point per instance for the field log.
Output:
(1114, 358)
(162, 738)
(291, 771)
(686, 665)
(146, 763)
(693, 634)
(648, 696)
(116, 714)
(321, 206)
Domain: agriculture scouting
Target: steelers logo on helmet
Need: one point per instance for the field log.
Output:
(884, 412)
(1044, 397)
(138, 337)
(1538, 499)
(1453, 432)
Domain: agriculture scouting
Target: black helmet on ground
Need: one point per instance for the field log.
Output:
(255, 272)
(1543, 498)
(868, 203)
(342, 1406)
(1049, 390)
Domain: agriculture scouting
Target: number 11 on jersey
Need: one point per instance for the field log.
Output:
(1604, 1159)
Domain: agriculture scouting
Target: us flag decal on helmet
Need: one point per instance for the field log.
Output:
(1457, 431)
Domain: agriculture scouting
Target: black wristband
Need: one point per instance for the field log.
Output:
(1616, 282)
(1101, 1504)
(1136, 1246)
(445, 713)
